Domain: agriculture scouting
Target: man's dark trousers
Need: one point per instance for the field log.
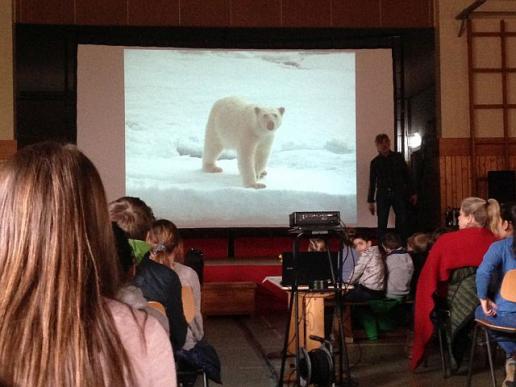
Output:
(398, 201)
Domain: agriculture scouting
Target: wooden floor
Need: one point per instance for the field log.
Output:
(249, 346)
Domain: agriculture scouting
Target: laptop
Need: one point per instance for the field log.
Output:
(314, 266)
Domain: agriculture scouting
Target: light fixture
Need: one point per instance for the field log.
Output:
(414, 140)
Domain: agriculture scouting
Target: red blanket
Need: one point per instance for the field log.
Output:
(451, 251)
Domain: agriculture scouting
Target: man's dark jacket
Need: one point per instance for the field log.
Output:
(389, 173)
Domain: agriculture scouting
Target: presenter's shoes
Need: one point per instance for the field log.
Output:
(510, 373)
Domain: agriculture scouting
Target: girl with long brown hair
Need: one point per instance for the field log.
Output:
(59, 323)
(167, 248)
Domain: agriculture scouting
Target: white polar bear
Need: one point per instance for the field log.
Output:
(249, 129)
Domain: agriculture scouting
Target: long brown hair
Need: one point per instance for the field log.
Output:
(166, 243)
(57, 263)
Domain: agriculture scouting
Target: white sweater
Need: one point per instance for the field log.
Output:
(189, 278)
(370, 270)
(399, 273)
(147, 346)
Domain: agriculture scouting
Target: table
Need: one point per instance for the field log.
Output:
(310, 315)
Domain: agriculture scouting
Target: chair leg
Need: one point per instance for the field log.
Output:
(452, 365)
(472, 355)
(441, 350)
(490, 357)
(205, 379)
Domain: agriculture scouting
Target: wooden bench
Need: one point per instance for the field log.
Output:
(228, 298)
(346, 317)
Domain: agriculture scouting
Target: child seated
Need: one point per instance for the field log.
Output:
(418, 246)
(317, 244)
(399, 267)
(369, 274)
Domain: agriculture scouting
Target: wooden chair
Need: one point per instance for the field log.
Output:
(158, 306)
(189, 312)
(508, 292)
(188, 303)
(188, 299)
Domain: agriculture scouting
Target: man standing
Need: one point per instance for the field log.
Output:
(389, 178)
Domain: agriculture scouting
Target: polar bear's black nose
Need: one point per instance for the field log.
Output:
(270, 125)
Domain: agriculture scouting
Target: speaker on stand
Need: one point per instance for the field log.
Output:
(501, 185)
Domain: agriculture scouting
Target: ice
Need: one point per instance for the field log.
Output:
(169, 94)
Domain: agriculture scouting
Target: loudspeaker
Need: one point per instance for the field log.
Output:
(501, 185)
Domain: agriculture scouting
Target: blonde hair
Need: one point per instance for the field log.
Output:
(58, 262)
(485, 213)
(166, 243)
(132, 215)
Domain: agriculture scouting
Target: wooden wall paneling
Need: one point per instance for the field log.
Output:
(306, 13)
(153, 13)
(451, 181)
(482, 189)
(217, 13)
(490, 164)
(45, 12)
(459, 181)
(444, 200)
(456, 178)
(406, 13)
(255, 13)
(495, 164)
(448, 184)
(201, 13)
(442, 184)
(466, 175)
(101, 12)
(356, 13)
(480, 163)
(502, 163)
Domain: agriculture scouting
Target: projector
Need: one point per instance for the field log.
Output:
(315, 219)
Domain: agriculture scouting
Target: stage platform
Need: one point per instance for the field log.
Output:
(235, 286)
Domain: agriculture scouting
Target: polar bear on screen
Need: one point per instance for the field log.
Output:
(247, 128)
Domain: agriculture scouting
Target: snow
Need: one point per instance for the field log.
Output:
(312, 167)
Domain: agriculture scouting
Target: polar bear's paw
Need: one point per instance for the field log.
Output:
(211, 168)
(262, 174)
(256, 185)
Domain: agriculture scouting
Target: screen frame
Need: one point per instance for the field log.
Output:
(245, 38)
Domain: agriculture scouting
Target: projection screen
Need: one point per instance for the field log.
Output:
(235, 138)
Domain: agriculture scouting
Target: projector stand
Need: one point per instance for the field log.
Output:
(293, 304)
(337, 286)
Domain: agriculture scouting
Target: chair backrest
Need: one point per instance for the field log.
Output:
(188, 303)
(508, 289)
(158, 306)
